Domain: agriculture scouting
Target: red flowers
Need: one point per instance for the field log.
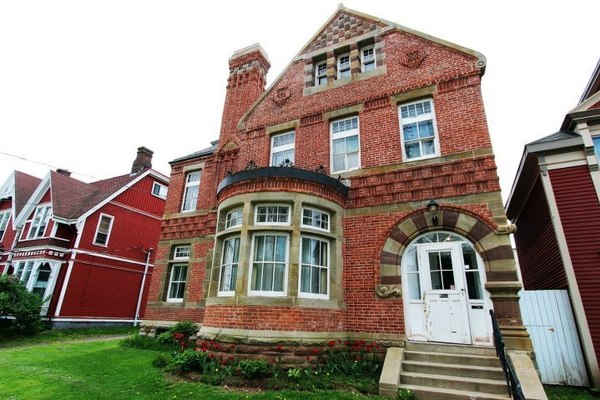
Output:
(331, 343)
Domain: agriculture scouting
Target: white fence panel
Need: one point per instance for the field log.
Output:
(548, 316)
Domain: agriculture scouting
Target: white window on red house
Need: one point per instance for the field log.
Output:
(367, 59)
(282, 148)
(39, 222)
(596, 140)
(234, 218)
(314, 218)
(159, 190)
(229, 266)
(418, 130)
(103, 230)
(343, 66)
(4, 217)
(272, 214)
(190, 193)
(178, 274)
(268, 275)
(345, 145)
(321, 73)
(314, 268)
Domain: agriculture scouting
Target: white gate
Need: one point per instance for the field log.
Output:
(548, 316)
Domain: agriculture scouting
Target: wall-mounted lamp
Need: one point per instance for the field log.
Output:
(432, 206)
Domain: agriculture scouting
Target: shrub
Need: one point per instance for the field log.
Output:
(188, 328)
(143, 342)
(161, 361)
(188, 361)
(405, 394)
(24, 306)
(253, 369)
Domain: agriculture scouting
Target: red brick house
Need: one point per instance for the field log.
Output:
(309, 220)
(555, 201)
(86, 247)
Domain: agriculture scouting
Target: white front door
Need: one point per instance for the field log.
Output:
(445, 302)
(444, 296)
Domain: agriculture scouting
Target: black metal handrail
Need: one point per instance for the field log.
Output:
(514, 386)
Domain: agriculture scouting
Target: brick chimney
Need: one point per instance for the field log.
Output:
(63, 171)
(143, 160)
(248, 69)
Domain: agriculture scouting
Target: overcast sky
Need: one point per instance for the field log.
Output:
(83, 84)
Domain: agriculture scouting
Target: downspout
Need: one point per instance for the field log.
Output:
(139, 302)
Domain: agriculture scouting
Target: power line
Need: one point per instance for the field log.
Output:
(42, 163)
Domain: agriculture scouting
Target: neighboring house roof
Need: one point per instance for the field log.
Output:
(554, 137)
(200, 153)
(593, 85)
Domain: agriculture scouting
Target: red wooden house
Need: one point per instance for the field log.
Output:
(88, 247)
(356, 198)
(555, 202)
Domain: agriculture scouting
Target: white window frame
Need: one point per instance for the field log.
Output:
(270, 293)
(182, 252)
(109, 230)
(313, 210)
(46, 212)
(311, 295)
(286, 223)
(343, 135)
(596, 143)
(345, 68)
(430, 116)
(162, 190)
(232, 220)
(177, 282)
(230, 266)
(185, 207)
(283, 148)
(4, 218)
(364, 61)
(321, 73)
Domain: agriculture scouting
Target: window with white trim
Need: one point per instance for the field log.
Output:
(40, 285)
(39, 222)
(596, 140)
(321, 73)
(234, 218)
(268, 275)
(314, 218)
(345, 145)
(103, 230)
(314, 268)
(229, 266)
(418, 130)
(159, 190)
(272, 214)
(282, 148)
(178, 274)
(367, 59)
(190, 193)
(4, 217)
(343, 66)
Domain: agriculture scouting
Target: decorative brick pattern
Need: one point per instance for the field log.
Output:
(342, 28)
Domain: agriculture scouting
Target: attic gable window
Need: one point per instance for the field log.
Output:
(190, 194)
(39, 222)
(321, 73)
(4, 217)
(159, 190)
(367, 59)
(103, 230)
(343, 66)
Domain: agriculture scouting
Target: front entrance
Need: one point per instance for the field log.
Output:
(444, 296)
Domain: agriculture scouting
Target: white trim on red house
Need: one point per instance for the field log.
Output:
(33, 201)
(136, 210)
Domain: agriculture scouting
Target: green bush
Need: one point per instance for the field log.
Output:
(189, 361)
(24, 306)
(188, 328)
(253, 369)
(146, 343)
(161, 361)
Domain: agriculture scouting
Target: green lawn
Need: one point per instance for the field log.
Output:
(10, 339)
(104, 370)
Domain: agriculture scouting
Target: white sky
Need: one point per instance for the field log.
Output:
(83, 84)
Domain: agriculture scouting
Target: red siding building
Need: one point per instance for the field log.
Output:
(309, 220)
(555, 203)
(88, 248)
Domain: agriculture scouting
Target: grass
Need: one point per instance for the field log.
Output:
(571, 393)
(9, 339)
(105, 370)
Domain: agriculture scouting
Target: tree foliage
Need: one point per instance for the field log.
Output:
(23, 306)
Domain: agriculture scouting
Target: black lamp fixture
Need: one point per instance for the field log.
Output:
(432, 206)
